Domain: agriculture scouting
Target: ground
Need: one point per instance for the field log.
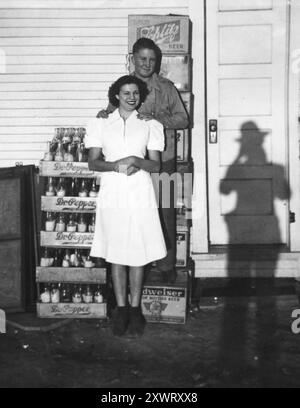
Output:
(227, 341)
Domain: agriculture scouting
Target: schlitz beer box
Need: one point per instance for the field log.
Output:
(170, 33)
(163, 303)
(176, 68)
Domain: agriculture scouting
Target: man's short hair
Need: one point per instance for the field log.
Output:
(143, 43)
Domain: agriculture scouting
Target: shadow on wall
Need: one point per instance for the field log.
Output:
(257, 183)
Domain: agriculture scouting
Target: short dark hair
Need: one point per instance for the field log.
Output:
(143, 43)
(115, 88)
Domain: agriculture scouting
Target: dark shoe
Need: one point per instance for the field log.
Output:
(137, 322)
(120, 321)
(169, 276)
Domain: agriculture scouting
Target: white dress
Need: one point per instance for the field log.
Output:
(128, 230)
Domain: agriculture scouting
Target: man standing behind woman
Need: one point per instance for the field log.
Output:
(162, 103)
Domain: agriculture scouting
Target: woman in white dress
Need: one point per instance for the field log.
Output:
(128, 231)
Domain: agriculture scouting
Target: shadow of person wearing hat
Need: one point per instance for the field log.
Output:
(244, 261)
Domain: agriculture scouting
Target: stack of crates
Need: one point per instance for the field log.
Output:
(172, 33)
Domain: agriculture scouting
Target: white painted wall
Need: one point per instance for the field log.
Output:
(57, 59)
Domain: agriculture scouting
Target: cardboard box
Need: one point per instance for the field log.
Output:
(187, 99)
(176, 68)
(170, 33)
(163, 303)
(183, 145)
(182, 245)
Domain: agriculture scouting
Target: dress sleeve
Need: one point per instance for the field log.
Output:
(156, 139)
(93, 133)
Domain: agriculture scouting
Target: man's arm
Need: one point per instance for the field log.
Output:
(176, 117)
(105, 112)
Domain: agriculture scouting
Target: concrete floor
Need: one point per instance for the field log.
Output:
(228, 341)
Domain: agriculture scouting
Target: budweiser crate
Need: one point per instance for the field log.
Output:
(176, 68)
(170, 33)
(66, 169)
(67, 239)
(72, 310)
(68, 204)
(162, 303)
(74, 275)
(182, 245)
(183, 145)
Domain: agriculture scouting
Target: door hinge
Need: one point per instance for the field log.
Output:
(292, 217)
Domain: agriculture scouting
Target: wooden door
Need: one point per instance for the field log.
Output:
(246, 95)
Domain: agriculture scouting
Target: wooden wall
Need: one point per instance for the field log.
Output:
(57, 59)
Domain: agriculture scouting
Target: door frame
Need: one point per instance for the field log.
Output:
(293, 121)
(199, 231)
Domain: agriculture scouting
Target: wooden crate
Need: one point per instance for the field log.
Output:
(69, 204)
(72, 310)
(72, 275)
(66, 169)
(67, 239)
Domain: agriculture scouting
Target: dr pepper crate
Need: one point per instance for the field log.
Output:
(72, 240)
(166, 303)
(171, 32)
(72, 276)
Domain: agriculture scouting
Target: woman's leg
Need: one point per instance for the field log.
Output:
(136, 276)
(136, 319)
(119, 278)
(121, 317)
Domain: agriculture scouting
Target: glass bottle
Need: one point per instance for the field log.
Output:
(48, 155)
(68, 156)
(80, 152)
(76, 295)
(66, 259)
(74, 189)
(60, 225)
(59, 154)
(87, 295)
(50, 191)
(45, 293)
(71, 226)
(82, 225)
(98, 297)
(60, 188)
(65, 293)
(56, 259)
(88, 263)
(83, 191)
(50, 222)
(93, 191)
(66, 138)
(45, 258)
(54, 294)
(76, 137)
(75, 258)
(92, 223)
